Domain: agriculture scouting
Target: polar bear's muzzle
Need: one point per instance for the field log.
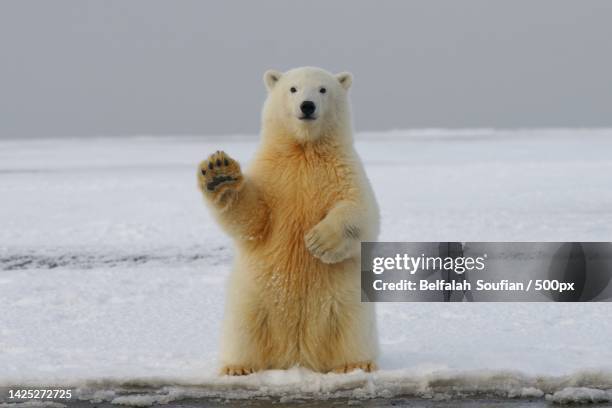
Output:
(308, 109)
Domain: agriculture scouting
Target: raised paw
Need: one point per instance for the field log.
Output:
(219, 173)
(330, 242)
(367, 366)
(236, 370)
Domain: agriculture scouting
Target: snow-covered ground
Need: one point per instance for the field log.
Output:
(112, 272)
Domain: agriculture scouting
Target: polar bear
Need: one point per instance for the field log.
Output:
(297, 218)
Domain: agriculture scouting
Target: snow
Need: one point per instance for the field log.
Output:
(112, 271)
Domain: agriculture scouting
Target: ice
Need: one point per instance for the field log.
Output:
(580, 395)
(112, 272)
(33, 404)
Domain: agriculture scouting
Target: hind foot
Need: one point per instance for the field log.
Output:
(236, 370)
(367, 366)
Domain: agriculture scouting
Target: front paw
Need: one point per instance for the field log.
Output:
(329, 242)
(219, 174)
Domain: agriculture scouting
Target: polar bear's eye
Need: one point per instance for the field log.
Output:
(323, 90)
(293, 90)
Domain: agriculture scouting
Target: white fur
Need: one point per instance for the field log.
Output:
(282, 108)
(294, 293)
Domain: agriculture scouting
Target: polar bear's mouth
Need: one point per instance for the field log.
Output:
(307, 117)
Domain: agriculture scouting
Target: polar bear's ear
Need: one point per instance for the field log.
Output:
(345, 79)
(271, 77)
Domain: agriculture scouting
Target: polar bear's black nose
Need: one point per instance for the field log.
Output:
(308, 108)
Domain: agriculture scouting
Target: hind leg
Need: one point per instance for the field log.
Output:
(246, 344)
(341, 336)
(240, 353)
(357, 347)
(237, 355)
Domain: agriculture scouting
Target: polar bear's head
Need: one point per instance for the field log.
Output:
(307, 103)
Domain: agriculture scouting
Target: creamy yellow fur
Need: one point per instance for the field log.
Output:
(297, 218)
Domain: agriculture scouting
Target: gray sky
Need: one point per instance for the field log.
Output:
(83, 68)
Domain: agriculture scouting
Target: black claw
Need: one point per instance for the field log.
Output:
(226, 162)
(210, 165)
(218, 162)
(352, 231)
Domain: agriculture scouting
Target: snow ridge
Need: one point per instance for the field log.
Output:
(89, 259)
(299, 384)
